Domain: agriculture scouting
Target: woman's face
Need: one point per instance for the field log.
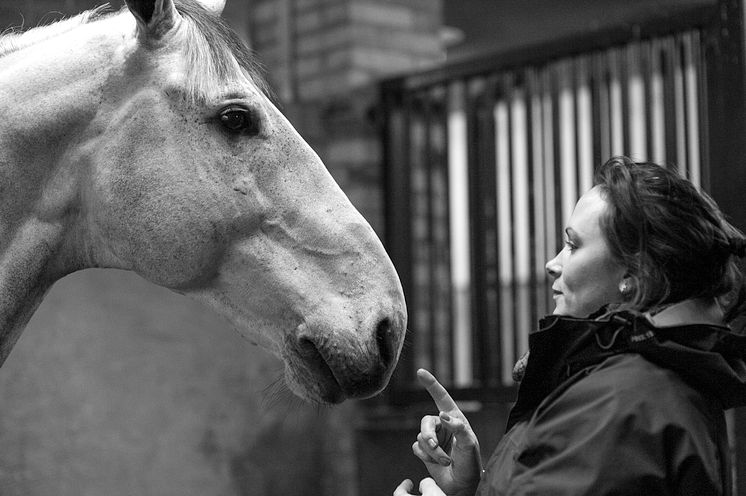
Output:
(585, 275)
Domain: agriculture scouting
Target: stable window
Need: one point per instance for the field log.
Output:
(485, 162)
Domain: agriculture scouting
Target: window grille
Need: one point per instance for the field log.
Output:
(484, 169)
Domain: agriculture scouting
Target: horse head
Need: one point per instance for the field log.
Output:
(154, 147)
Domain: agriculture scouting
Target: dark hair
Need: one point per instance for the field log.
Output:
(673, 239)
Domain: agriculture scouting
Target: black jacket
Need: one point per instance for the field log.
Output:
(616, 406)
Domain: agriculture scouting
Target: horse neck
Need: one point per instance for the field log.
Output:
(48, 105)
(24, 277)
(32, 231)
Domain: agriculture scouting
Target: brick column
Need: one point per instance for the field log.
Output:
(324, 58)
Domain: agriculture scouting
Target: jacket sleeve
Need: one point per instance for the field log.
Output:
(601, 439)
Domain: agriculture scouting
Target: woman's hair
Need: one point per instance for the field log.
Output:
(673, 239)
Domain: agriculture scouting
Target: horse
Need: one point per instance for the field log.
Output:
(146, 139)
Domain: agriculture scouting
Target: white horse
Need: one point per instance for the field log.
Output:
(145, 140)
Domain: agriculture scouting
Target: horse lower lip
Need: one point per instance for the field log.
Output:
(331, 391)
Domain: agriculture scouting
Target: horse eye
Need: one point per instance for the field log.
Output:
(239, 120)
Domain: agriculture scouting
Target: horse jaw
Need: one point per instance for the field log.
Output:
(335, 316)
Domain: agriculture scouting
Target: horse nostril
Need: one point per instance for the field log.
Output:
(386, 341)
(307, 348)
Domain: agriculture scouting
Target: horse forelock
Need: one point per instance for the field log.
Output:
(215, 52)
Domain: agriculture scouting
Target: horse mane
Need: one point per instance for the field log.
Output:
(213, 48)
(14, 39)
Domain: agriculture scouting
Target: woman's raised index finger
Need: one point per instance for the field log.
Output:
(440, 395)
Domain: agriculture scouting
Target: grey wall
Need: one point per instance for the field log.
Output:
(496, 25)
(119, 387)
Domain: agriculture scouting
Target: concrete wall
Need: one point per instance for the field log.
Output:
(119, 387)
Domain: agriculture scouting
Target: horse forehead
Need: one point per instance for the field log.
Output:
(185, 62)
(179, 74)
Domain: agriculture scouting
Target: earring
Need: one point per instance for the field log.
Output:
(625, 288)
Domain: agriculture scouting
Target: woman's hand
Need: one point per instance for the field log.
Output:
(427, 488)
(446, 443)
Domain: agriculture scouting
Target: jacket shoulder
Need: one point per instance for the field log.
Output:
(628, 423)
(629, 384)
(634, 395)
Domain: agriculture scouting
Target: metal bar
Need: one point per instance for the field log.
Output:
(521, 218)
(540, 194)
(657, 105)
(459, 222)
(551, 222)
(567, 142)
(477, 231)
(668, 54)
(504, 229)
(584, 121)
(601, 109)
(397, 235)
(419, 173)
(691, 92)
(616, 104)
(440, 234)
(637, 149)
(486, 341)
(679, 106)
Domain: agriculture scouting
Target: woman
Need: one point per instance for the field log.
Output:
(624, 388)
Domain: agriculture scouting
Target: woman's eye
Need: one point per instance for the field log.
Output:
(240, 120)
(570, 245)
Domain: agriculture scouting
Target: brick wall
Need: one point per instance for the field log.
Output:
(324, 57)
(319, 49)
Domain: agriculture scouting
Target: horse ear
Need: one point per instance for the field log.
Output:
(154, 17)
(214, 6)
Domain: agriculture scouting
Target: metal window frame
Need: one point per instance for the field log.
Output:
(396, 92)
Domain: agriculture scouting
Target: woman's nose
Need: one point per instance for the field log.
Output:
(554, 268)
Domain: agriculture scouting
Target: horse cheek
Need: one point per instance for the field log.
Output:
(166, 231)
(183, 248)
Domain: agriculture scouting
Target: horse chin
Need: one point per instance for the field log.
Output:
(328, 375)
(315, 384)
(309, 376)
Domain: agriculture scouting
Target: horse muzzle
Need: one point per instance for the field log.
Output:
(330, 366)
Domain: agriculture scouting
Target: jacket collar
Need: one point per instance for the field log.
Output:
(709, 357)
